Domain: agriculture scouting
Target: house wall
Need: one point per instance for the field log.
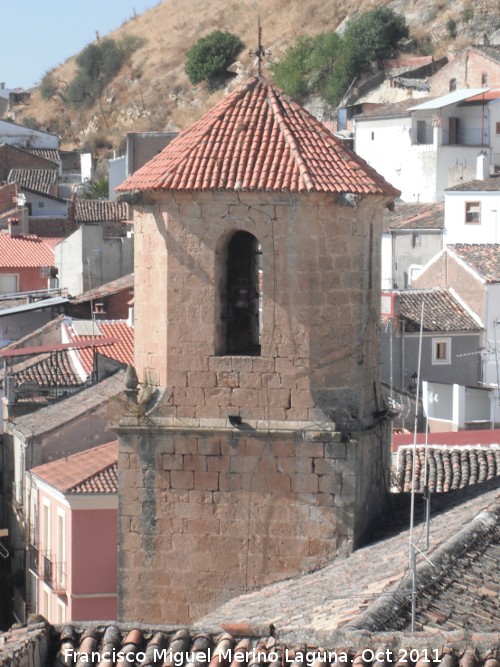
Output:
(410, 168)
(320, 279)
(92, 595)
(85, 259)
(465, 367)
(447, 271)
(28, 278)
(25, 137)
(456, 229)
(492, 326)
(467, 68)
(41, 206)
(412, 248)
(13, 327)
(207, 514)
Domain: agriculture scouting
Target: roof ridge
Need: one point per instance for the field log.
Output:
(376, 615)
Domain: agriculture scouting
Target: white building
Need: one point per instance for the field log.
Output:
(425, 148)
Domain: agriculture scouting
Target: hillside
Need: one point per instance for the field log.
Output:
(152, 93)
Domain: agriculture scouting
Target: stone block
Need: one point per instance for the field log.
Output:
(228, 379)
(248, 398)
(172, 462)
(303, 483)
(218, 396)
(182, 479)
(201, 379)
(206, 481)
(195, 462)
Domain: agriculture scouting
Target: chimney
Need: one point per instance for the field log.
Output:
(13, 225)
(482, 167)
(72, 214)
(99, 311)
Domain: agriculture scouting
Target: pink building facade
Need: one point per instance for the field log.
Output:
(72, 569)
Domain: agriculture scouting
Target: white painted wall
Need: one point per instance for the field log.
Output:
(86, 260)
(25, 137)
(457, 231)
(492, 327)
(386, 273)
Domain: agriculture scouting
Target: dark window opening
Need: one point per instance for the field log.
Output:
(242, 302)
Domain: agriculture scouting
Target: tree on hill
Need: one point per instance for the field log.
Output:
(327, 64)
(209, 58)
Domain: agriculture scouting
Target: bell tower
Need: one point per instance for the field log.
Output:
(256, 449)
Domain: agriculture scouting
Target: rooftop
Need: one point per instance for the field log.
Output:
(38, 180)
(51, 417)
(122, 349)
(101, 210)
(483, 258)
(113, 287)
(94, 470)
(410, 217)
(258, 139)
(25, 251)
(443, 311)
(341, 594)
(448, 468)
(491, 184)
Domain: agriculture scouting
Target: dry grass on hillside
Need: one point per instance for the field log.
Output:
(152, 92)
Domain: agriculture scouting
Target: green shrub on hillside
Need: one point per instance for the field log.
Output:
(48, 86)
(209, 58)
(327, 64)
(98, 64)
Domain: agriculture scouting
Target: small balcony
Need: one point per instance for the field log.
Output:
(53, 573)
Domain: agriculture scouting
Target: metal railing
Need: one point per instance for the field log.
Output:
(53, 573)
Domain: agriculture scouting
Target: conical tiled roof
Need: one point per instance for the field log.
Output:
(257, 139)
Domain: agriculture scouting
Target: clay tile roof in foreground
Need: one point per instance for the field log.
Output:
(101, 210)
(448, 468)
(442, 311)
(258, 139)
(25, 251)
(91, 471)
(484, 258)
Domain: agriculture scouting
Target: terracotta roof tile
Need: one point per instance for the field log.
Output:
(491, 184)
(414, 216)
(25, 251)
(49, 371)
(47, 153)
(101, 210)
(448, 468)
(393, 109)
(91, 471)
(258, 139)
(442, 311)
(122, 350)
(39, 180)
(484, 258)
(244, 644)
(108, 289)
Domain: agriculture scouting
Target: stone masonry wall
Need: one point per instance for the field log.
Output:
(205, 515)
(320, 276)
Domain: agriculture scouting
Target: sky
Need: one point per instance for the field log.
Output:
(37, 35)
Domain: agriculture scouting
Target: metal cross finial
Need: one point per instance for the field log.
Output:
(260, 52)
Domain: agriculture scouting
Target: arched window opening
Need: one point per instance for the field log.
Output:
(242, 309)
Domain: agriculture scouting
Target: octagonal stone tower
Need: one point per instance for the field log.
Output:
(262, 452)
